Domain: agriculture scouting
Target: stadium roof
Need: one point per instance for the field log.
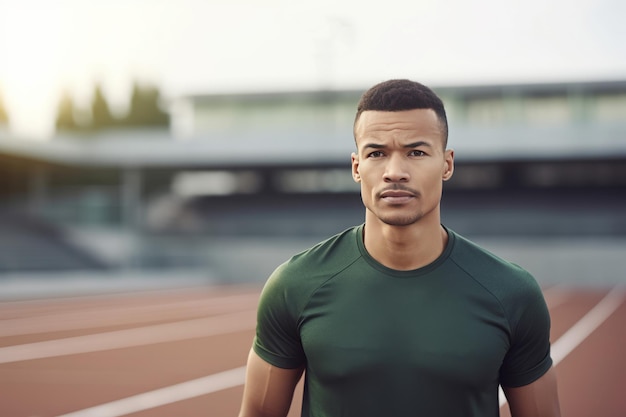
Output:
(151, 149)
(465, 90)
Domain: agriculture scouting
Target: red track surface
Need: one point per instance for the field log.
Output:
(62, 356)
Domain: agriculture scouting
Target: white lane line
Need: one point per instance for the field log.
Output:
(163, 396)
(116, 315)
(585, 326)
(158, 333)
(135, 295)
(576, 334)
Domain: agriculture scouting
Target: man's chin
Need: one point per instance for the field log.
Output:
(399, 221)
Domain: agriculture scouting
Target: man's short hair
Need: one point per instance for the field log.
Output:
(399, 95)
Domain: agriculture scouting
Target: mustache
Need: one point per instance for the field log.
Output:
(398, 187)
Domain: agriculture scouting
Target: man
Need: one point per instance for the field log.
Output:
(401, 316)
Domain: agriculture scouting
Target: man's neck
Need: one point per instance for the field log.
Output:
(404, 247)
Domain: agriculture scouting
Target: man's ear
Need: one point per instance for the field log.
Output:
(355, 167)
(448, 168)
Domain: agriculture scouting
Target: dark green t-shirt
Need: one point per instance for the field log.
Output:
(436, 341)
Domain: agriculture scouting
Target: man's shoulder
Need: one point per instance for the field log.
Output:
(497, 275)
(311, 267)
(327, 256)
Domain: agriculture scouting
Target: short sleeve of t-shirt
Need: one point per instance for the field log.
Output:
(529, 354)
(521, 301)
(277, 340)
(289, 289)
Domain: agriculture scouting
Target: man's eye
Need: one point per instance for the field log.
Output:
(417, 153)
(375, 154)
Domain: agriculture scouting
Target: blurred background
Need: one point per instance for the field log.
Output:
(166, 143)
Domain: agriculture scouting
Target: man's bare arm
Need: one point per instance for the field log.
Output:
(268, 390)
(538, 399)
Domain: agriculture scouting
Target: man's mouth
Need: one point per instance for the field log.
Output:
(396, 196)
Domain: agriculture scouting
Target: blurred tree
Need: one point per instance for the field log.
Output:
(101, 117)
(144, 111)
(144, 108)
(65, 113)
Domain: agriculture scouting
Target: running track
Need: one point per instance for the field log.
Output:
(180, 353)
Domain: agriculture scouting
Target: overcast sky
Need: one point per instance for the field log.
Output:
(204, 46)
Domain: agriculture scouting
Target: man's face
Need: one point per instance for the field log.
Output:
(401, 163)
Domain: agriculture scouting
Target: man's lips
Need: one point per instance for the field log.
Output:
(396, 196)
(395, 193)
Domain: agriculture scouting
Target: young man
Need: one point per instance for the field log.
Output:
(401, 316)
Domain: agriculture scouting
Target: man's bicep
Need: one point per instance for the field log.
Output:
(537, 399)
(268, 390)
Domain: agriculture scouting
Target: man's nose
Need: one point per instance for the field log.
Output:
(396, 170)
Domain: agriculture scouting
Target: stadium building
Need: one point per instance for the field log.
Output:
(260, 171)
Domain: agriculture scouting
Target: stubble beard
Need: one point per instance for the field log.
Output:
(400, 220)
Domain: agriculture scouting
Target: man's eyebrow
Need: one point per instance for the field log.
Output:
(374, 145)
(417, 144)
(408, 145)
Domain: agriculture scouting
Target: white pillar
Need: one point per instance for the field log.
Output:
(37, 190)
(131, 187)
